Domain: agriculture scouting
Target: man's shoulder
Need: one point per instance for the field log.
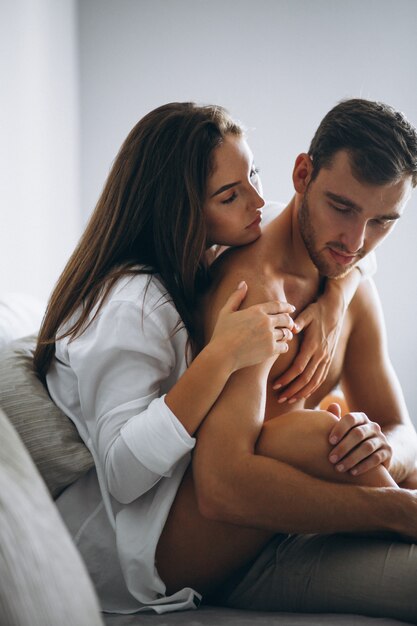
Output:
(365, 309)
(248, 263)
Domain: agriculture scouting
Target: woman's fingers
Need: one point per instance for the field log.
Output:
(236, 298)
(254, 334)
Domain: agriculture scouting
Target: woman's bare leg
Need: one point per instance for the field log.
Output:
(197, 552)
(300, 438)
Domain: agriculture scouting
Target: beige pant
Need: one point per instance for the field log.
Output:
(331, 574)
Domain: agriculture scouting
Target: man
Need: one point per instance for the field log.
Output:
(262, 466)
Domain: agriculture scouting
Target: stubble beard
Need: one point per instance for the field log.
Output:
(308, 234)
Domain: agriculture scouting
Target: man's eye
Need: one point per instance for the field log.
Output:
(341, 209)
(230, 199)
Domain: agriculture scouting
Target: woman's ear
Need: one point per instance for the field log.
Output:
(302, 171)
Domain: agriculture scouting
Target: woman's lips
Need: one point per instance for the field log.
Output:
(255, 222)
(342, 259)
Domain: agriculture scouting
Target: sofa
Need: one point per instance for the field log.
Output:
(43, 580)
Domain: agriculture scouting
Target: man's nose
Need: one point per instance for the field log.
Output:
(354, 238)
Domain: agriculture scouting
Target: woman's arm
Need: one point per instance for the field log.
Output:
(130, 357)
(240, 339)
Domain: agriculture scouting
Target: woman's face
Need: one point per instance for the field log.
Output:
(234, 202)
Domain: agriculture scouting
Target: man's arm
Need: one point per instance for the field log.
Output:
(370, 383)
(235, 485)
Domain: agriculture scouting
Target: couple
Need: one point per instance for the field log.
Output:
(282, 507)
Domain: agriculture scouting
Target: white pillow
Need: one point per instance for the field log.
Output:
(20, 315)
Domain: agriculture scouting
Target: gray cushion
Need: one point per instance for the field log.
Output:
(43, 579)
(48, 434)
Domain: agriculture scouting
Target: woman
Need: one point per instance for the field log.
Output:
(122, 325)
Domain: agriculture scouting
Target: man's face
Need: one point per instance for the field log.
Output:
(341, 219)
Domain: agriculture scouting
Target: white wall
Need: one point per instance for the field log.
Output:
(39, 173)
(278, 65)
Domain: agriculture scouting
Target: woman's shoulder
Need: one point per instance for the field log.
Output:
(143, 292)
(135, 286)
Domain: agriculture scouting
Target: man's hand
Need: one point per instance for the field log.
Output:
(322, 326)
(359, 444)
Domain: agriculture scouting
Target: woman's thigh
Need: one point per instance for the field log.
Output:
(332, 574)
(197, 552)
(202, 553)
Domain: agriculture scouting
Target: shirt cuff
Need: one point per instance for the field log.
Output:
(157, 438)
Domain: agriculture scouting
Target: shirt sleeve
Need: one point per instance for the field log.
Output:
(122, 362)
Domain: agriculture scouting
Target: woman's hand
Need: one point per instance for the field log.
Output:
(359, 444)
(322, 323)
(252, 335)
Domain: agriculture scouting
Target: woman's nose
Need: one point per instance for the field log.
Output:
(257, 199)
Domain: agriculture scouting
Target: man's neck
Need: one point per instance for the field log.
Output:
(294, 257)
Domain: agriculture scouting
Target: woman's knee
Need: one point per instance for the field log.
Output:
(301, 439)
(298, 437)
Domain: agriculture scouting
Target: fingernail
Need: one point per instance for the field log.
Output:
(241, 284)
(292, 400)
(333, 440)
(278, 386)
(281, 400)
(340, 468)
(354, 472)
(334, 458)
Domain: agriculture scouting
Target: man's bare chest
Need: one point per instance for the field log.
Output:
(284, 361)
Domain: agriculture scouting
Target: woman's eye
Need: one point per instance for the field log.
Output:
(230, 198)
(383, 223)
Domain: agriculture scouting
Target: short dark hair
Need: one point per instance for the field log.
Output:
(381, 142)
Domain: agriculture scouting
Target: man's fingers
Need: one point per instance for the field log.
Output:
(297, 368)
(345, 424)
(314, 382)
(302, 320)
(295, 390)
(370, 463)
(365, 457)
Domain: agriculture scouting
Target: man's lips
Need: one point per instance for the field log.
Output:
(255, 222)
(342, 258)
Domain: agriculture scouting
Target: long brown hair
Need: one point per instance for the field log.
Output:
(150, 213)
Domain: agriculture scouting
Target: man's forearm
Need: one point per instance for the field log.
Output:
(263, 493)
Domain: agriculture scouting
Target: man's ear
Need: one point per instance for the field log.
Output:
(302, 172)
